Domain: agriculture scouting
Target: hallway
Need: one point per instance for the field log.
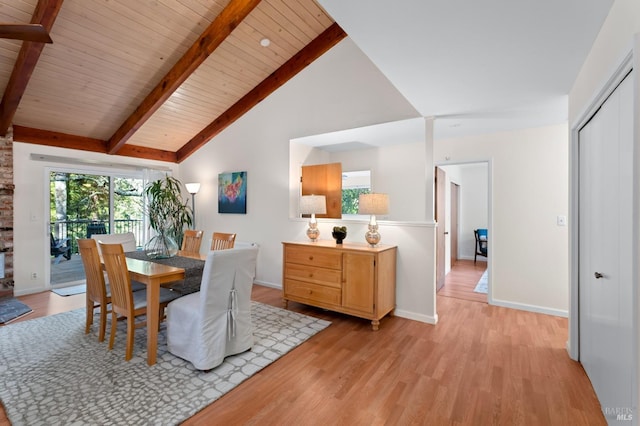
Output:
(462, 279)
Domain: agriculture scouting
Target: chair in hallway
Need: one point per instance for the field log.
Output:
(222, 241)
(125, 302)
(191, 241)
(482, 243)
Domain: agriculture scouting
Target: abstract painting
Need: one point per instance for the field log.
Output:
(232, 192)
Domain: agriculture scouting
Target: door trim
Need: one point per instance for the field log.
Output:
(573, 342)
(489, 164)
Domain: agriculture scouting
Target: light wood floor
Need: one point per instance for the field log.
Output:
(480, 365)
(462, 280)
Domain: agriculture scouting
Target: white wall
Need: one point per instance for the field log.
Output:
(393, 171)
(613, 44)
(528, 259)
(30, 230)
(336, 92)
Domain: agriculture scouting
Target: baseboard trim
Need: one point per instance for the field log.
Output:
(416, 317)
(530, 308)
(268, 284)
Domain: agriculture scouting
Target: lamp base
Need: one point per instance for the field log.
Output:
(372, 236)
(313, 232)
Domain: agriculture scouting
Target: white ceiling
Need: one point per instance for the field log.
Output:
(478, 66)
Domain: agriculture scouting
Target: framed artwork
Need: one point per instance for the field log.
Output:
(232, 192)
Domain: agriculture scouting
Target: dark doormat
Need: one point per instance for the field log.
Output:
(70, 291)
(11, 308)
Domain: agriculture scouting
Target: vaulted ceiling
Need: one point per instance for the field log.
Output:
(152, 79)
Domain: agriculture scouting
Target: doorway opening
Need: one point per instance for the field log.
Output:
(82, 204)
(462, 206)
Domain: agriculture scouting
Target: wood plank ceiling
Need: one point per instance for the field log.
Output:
(152, 79)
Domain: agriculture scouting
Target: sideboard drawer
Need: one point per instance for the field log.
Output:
(324, 276)
(314, 257)
(312, 292)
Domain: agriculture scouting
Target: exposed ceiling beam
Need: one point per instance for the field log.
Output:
(64, 140)
(45, 14)
(325, 41)
(209, 40)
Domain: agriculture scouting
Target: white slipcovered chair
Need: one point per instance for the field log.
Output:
(206, 326)
(127, 239)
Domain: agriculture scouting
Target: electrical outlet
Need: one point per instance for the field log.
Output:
(34, 275)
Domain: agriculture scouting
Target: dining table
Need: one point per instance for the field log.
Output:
(154, 273)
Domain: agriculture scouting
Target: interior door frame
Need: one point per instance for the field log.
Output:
(630, 64)
(490, 256)
(454, 222)
(608, 87)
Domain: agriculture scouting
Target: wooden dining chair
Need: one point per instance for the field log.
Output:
(97, 294)
(126, 303)
(222, 241)
(191, 241)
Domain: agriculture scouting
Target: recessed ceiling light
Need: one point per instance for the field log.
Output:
(265, 42)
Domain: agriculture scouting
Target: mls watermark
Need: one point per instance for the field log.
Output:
(618, 413)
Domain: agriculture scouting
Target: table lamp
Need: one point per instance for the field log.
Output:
(373, 204)
(313, 204)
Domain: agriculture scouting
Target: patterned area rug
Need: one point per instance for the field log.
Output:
(11, 309)
(51, 373)
(482, 286)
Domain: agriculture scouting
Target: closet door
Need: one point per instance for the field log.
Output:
(605, 271)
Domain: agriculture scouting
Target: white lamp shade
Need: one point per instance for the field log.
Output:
(192, 188)
(373, 204)
(313, 204)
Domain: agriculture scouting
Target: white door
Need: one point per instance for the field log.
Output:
(605, 226)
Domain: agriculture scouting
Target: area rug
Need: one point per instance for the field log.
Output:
(51, 373)
(481, 287)
(11, 309)
(70, 291)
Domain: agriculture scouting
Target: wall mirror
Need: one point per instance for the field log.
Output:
(392, 156)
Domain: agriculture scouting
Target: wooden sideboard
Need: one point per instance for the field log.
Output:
(352, 278)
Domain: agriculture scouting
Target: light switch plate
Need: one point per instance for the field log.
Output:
(562, 221)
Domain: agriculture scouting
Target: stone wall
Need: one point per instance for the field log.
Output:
(6, 210)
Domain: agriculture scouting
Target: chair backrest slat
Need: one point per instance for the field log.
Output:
(191, 241)
(96, 288)
(222, 241)
(115, 263)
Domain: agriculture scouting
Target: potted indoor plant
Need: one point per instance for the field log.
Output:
(168, 216)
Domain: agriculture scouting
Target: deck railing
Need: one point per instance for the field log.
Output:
(84, 228)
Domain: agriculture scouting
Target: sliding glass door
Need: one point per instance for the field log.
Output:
(82, 204)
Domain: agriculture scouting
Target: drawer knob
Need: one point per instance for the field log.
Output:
(311, 275)
(310, 291)
(310, 257)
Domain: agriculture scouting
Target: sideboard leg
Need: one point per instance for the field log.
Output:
(375, 325)
(285, 303)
